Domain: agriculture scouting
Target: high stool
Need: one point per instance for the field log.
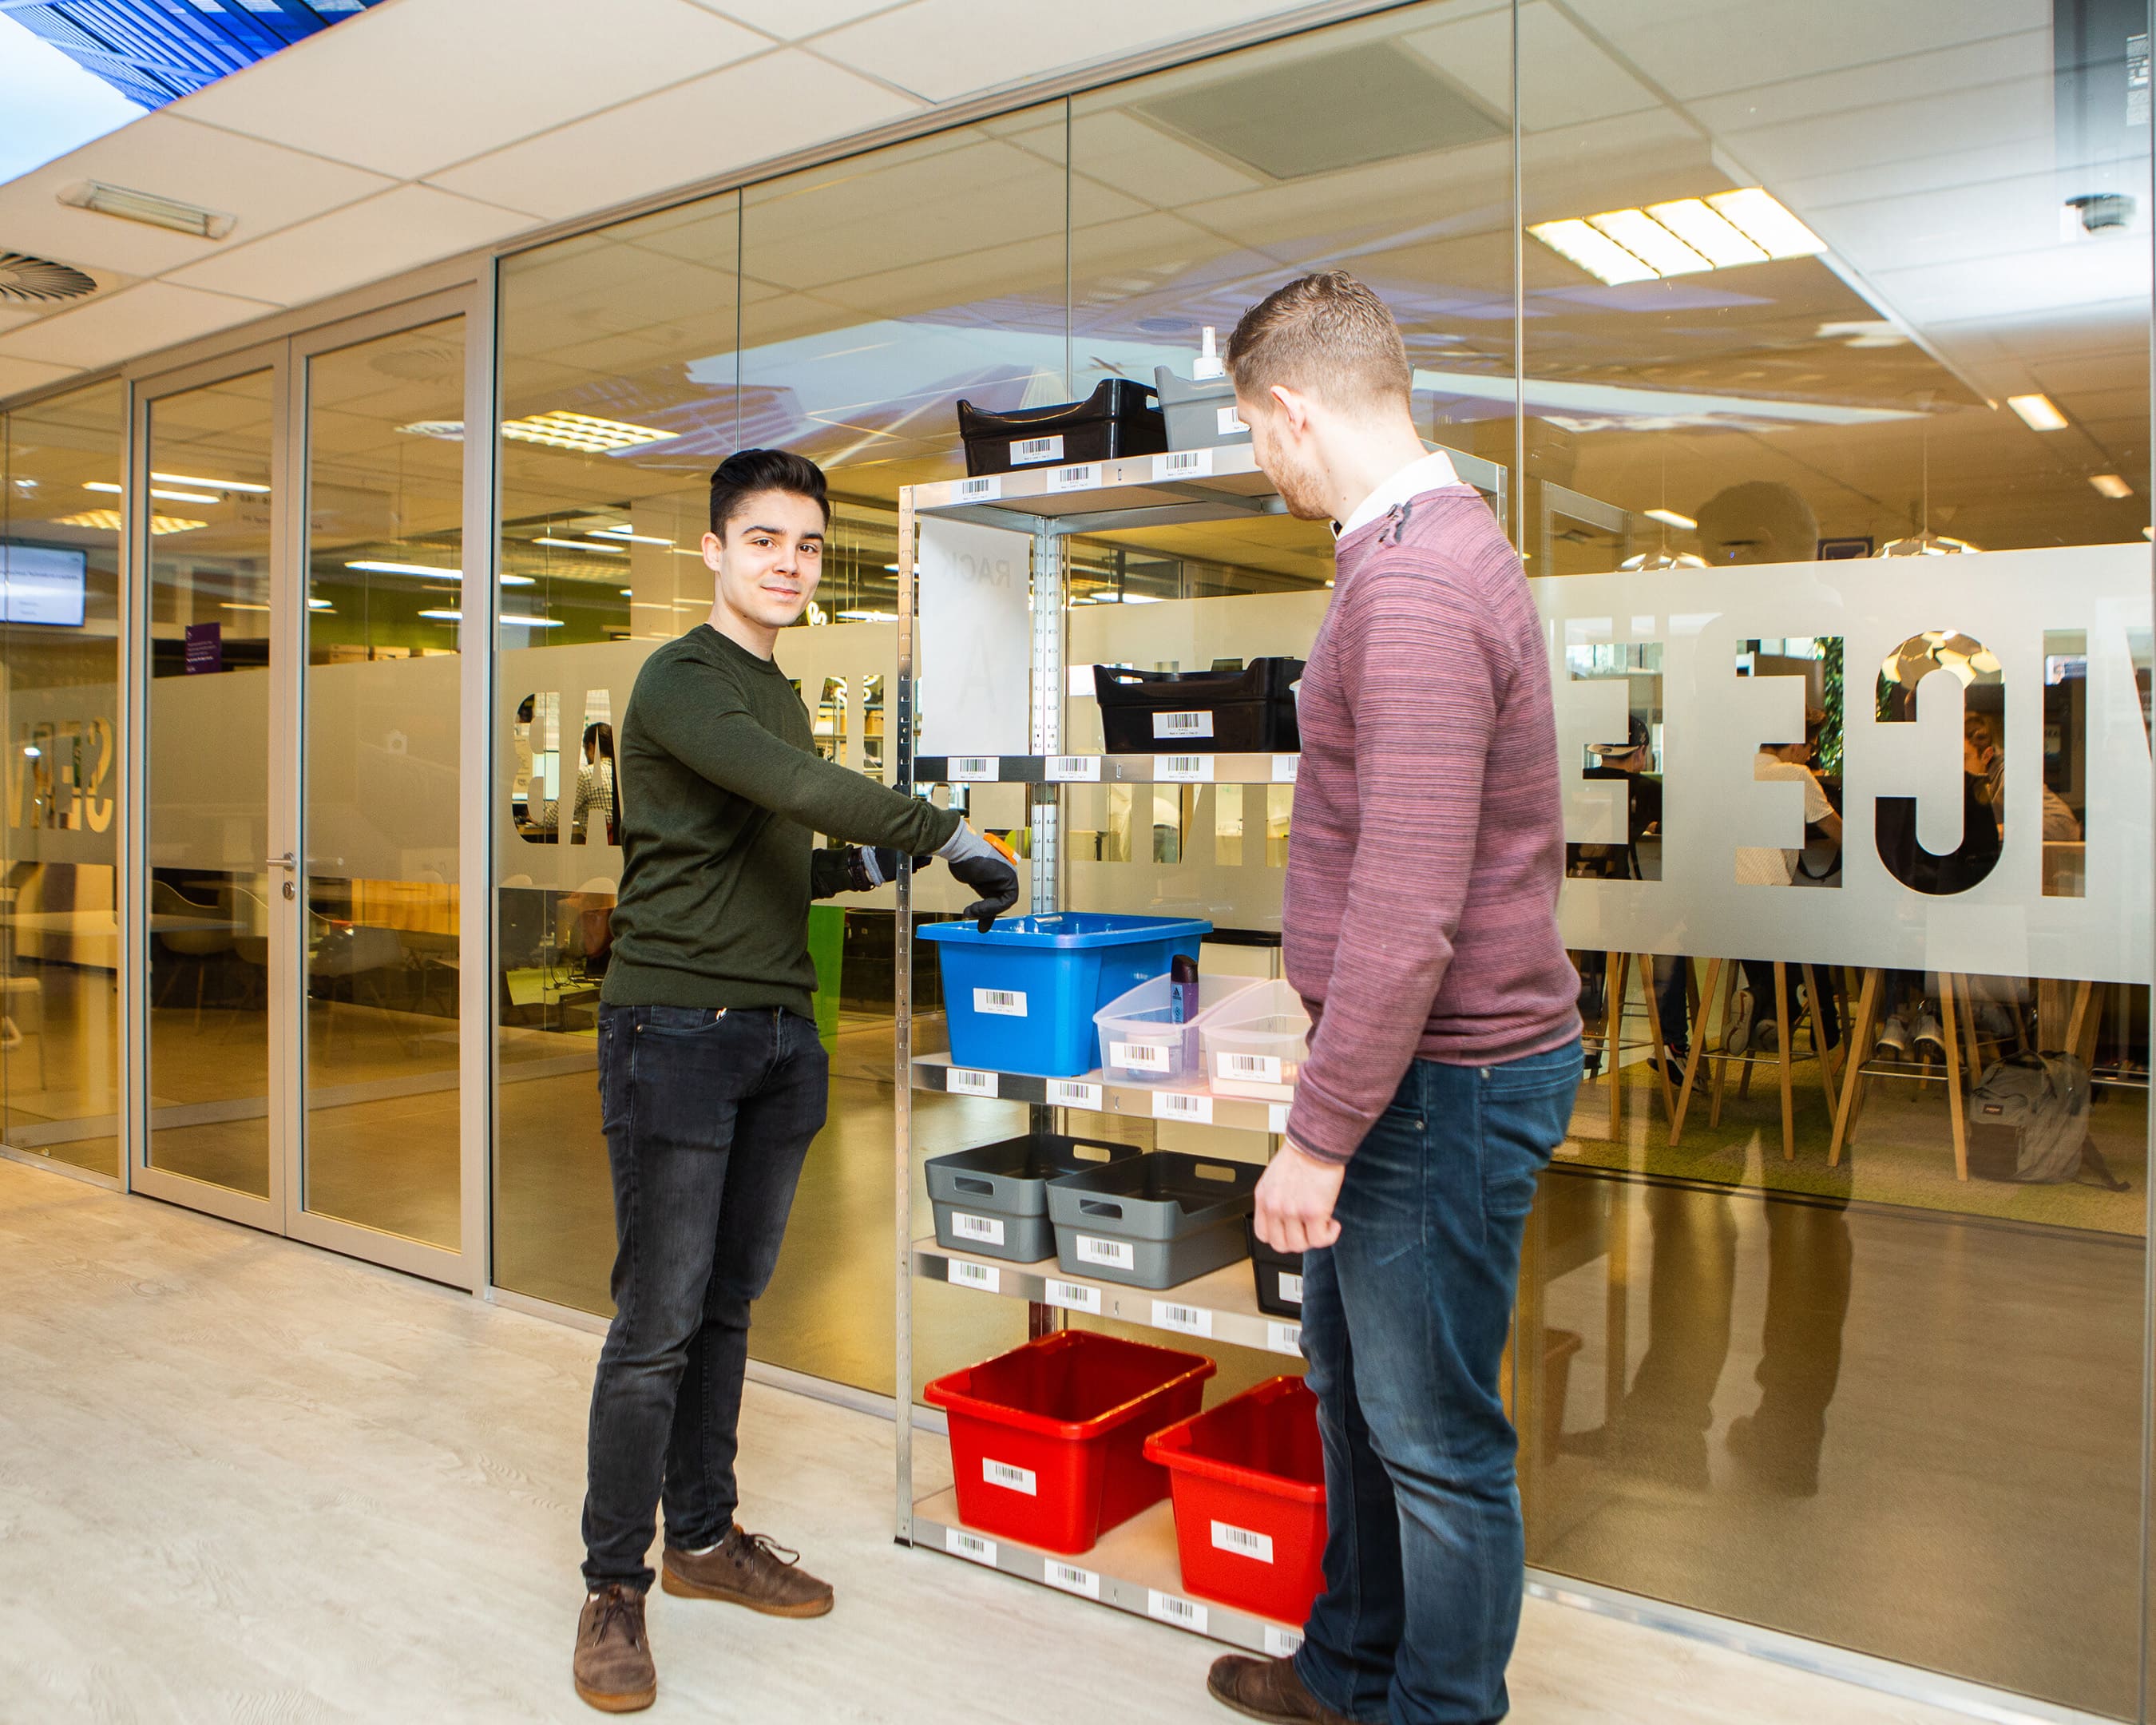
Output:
(1964, 1052)
(1617, 973)
(1785, 1056)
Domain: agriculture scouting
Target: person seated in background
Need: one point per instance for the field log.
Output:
(1751, 1027)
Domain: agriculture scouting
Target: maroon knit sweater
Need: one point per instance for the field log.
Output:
(1428, 843)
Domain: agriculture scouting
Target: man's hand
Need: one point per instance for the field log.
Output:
(1296, 1196)
(985, 866)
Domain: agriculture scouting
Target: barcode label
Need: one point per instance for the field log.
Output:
(1016, 1479)
(1073, 1295)
(1282, 1643)
(1139, 1056)
(1116, 1253)
(1083, 477)
(988, 1230)
(1284, 1338)
(1179, 1104)
(964, 768)
(963, 1272)
(1074, 769)
(1182, 463)
(1291, 1287)
(1242, 1542)
(1190, 1320)
(1182, 769)
(1230, 422)
(1169, 1608)
(1028, 452)
(1262, 1069)
(964, 1081)
(1173, 725)
(1070, 1577)
(960, 1543)
(986, 489)
(1284, 768)
(1073, 1093)
(1004, 1003)
(1276, 1117)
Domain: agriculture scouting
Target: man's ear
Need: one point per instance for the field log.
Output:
(712, 547)
(1293, 405)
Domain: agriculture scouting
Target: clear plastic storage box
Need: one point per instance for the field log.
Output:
(1141, 1044)
(1255, 1043)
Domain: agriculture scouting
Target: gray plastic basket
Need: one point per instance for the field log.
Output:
(1200, 415)
(993, 1200)
(1153, 1222)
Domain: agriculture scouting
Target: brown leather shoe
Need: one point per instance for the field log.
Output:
(747, 1569)
(613, 1667)
(1268, 1689)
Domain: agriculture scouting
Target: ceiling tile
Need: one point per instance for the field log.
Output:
(1564, 78)
(17, 375)
(264, 186)
(362, 242)
(942, 49)
(405, 90)
(783, 102)
(135, 321)
(792, 19)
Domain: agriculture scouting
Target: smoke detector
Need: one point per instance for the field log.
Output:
(25, 281)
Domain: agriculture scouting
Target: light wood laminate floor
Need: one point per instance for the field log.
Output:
(242, 1480)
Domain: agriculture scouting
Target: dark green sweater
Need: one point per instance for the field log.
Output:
(721, 795)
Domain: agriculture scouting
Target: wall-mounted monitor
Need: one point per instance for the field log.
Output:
(42, 584)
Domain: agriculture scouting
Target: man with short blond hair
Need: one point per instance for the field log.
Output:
(1420, 928)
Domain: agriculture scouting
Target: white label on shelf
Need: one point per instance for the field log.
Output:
(1021, 1478)
(964, 769)
(1180, 1105)
(1073, 1295)
(1265, 1069)
(1276, 1117)
(1284, 1338)
(965, 1081)
(1079, 682)
(1242, 1541)
(1173, 726)
(1139, 1056)
(1284, 767)
(989, 1229)
(1190, 1320)
(960, 1543)
(1170, 1608)
(1291, 1287)
(1074, 769)
(964, 1273)
(1070, 1577)
(1031, 451)
(1182, 769)
(1182, 463)
(1073, 1093)
(1116, 1253)
(1230, 422)
(1083, 477)
(1006, 1003)
(986, 489)
(1282, 1643)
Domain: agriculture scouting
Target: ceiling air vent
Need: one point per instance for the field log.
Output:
(25, 281)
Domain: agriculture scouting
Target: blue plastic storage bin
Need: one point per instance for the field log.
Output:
(1021, 998)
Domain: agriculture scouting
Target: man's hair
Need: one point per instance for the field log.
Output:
(1326, 335)
(746, 472)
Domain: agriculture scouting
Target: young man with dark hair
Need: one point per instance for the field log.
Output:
(712, 1080)
(1420, 922)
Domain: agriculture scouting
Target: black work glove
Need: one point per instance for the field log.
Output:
(870, 867)
(979, 864)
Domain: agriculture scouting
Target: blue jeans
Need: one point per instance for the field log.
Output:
(708, 1117)
(1403, 1323)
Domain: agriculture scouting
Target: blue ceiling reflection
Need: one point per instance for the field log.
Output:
(154, 51)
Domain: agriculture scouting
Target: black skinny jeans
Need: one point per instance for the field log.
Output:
(708, 1117)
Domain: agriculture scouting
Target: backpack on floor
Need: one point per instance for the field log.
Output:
(2029, 1122)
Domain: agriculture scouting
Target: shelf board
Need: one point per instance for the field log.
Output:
(1134, 1568)
(1098, 1095)
(1162, 768)
(1221, 1305)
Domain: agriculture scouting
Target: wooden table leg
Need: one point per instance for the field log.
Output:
(1852, 1069)
(1648, 981)
(2085, 1021)
(1783, 1039)
(1964, 1000)
(1954, 1106)
(1698, 1043)
(1722, 1060)
(2052, 1004)
(1615, 965)
(1819, 1039)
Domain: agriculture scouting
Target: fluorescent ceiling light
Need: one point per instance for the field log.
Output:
(1673, 518)
(1141, 599)
(868, 617)
(1760, 216)
(368, 566)
(2111, 485)
(243, 605)
(2037, 412)
(629, 592)
(437, 616)
(561, 430)
(532, 622)
(1708, 232)
(450, 430)
(107, 521)
(148, 207)
(212, 485)
(1681, 237)
(107, 486)
(617, 551)
(624, 533)
(1649, 241)
(321, 605)
(1593, 250)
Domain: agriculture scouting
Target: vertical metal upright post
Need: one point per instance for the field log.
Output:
(131, 718)
(901, 1100)
(1050, 568)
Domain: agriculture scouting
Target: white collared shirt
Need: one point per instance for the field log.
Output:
(1433, 470)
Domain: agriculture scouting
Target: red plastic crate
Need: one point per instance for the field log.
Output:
(1048, 1441)
(1249, 1500)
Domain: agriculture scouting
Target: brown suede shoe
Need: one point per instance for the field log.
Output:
(746, 1569)
(1268, 1689)
(613, 1667)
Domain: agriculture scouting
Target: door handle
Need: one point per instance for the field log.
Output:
(288, 860)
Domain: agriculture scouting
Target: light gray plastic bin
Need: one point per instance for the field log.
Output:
(1154, 1222)
(993, 1200)
(1200, 415)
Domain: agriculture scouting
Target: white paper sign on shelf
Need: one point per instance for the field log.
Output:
(1276, 1117)
(964, 1273)
(1291, 1287)
(1189, 1319)
(1230, 422)
(1114, 1254)
(1284, 1338)
(1073, 1093)
(1284, 767)
(965, 1081)
(1172, 1608)
(1074, 769)
(974, 769)
(1070, 1578)
(1182, 769)
(1180, 727)
(1011, 1477)
(1260, 1069)
(1082, 476)
(1181, 1104)
(1141, 1056)
(1072, 1296)
(988, 1229)
(984, 488)
(1282, 1643)
(1032, 451)
(1183, 464)
(976, 638)
(1010, 1003)
(1242, 1542)
(960, 1543)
